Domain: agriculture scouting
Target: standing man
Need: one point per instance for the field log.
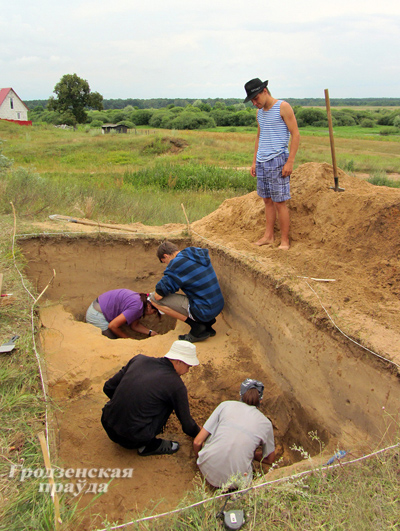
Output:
(143, 395)
(273, 161)
(232, 436)
(191, 271)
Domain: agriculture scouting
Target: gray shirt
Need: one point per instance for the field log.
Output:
(236, 430)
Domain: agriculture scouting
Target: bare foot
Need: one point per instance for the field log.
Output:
(264, 241)
(284, 246)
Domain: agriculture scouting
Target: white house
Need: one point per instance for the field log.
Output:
(12, 107)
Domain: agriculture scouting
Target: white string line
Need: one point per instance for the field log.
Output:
(345, 335)
(253, 487)
(317, 279)
(33, 332)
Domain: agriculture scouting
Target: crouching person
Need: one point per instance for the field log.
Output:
(143, 395)
(229, 441)
(191, 271)
(118, 307)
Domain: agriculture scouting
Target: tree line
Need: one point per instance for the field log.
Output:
(159, 103)
(76, 104)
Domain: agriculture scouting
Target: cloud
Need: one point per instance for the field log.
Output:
(128, 48)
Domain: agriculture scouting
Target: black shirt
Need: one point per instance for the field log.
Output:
(143, 395)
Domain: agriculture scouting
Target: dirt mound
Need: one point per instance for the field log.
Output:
(351, 237)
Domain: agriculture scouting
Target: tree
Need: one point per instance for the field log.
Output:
(73, 96)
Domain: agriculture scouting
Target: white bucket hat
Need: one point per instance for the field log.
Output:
(184, 351)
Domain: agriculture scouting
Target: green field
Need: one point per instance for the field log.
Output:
(125, 177)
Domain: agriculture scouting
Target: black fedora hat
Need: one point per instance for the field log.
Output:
(254, 87)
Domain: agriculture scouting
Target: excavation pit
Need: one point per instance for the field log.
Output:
(318, 324)
(316, 384)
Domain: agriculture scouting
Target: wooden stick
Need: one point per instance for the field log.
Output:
(1, 281)
(91, 223)
(187, 219)
(46, 457)
(332, 142)
(50, 281)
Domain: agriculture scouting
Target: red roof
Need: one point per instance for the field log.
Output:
(4, 92)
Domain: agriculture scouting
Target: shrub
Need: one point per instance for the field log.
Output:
(141, 116)
(127, 123)
(312, 116)
(96, 123)
(389, 130)
(388, 119)
(367, 122)
(343, 118)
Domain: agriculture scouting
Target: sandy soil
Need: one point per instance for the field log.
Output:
(351, 237)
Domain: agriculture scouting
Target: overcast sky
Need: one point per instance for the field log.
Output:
(204, 48)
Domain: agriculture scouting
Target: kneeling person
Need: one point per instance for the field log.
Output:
(117, 307)
(231, 437)
(143, 395)
(191, 271)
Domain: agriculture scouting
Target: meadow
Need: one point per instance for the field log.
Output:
(144, 177)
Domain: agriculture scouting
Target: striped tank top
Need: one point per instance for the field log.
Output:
(274, 134)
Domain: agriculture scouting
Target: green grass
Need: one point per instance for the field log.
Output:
(360, 497)
(21, 402)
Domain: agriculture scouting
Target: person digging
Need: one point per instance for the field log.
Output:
(143, 394)
(190, 271)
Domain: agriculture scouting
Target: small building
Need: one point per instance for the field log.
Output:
(117, 128)
(12, 108)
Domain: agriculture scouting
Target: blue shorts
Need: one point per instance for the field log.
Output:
(270, 182)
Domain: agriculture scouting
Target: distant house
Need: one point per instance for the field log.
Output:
(12, 108)
(118, 128)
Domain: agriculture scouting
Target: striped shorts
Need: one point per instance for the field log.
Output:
(270, 183)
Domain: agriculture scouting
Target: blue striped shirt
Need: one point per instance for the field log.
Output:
(192, 272)
(274, 133)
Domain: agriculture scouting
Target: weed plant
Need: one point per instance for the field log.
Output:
(22, 407)
(167, 176)
(360, 497)
(380, 179)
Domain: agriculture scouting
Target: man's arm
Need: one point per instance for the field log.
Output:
(253, 167)
(199, 440)
(269, 459)
(181, 406)
(289, 118)
(111, 384)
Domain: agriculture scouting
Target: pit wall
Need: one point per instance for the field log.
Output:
(339, 385)
(325, 381)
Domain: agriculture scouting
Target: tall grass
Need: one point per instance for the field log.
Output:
(144, 200)
(167, 176)
(380, 179)
(22, 506)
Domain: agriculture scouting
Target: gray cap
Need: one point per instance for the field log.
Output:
(249, 383)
